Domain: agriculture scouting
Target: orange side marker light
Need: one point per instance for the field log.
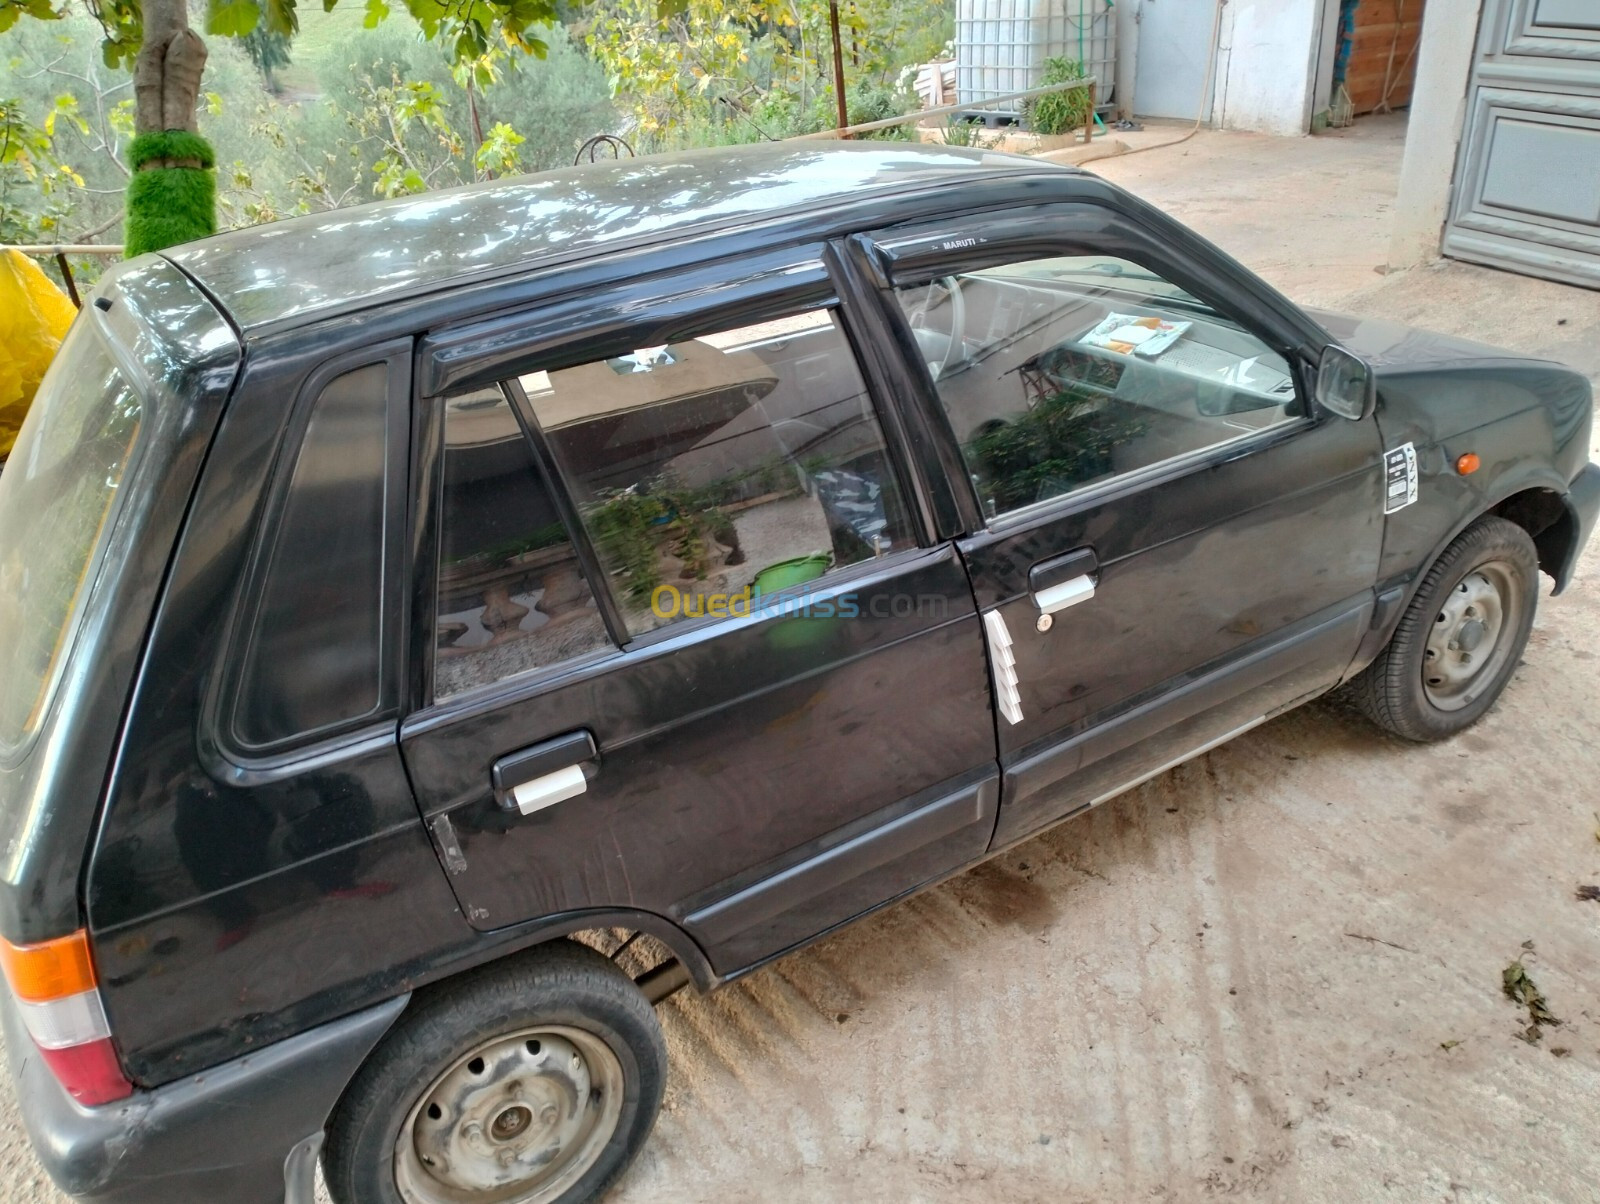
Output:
(1467, 463)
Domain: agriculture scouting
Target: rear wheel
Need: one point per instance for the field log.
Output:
(1460, 639)
(535, 1081)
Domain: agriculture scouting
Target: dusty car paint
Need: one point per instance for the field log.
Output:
(239, 896)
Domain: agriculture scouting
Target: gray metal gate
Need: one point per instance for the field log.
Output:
(1527, 191)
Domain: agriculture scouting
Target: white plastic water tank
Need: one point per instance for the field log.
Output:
(1001, 46)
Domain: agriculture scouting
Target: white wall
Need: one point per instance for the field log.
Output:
(1433, 131)
(1266, 65)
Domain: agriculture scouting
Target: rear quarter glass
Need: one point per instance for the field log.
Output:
(59, 494)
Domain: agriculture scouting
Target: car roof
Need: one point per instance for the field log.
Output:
(307, 267)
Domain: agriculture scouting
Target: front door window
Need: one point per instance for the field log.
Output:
(1064, 372)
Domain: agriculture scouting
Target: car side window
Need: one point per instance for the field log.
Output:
(512, 595)
(721, 468)
(313, 661)
(1069, 371)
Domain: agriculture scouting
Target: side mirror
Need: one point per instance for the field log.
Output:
(1345, 384)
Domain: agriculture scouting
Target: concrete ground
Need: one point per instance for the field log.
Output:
(1274, 972)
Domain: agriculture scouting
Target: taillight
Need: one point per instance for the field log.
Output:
(59, 999)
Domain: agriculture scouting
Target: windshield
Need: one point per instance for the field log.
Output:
(58, 494)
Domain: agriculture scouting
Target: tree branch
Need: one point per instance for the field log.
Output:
(100, 229)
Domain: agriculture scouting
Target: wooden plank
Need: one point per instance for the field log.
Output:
(1385, 40)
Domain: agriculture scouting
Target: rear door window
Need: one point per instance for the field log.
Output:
(512, 595)
(718, 470)
(58, 502)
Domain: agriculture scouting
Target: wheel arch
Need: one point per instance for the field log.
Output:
(683, 946)
(1538, 502)
(1547, 516)
(525, 938)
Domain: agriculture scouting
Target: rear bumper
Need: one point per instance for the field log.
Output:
(245, 1132)
(1583, 504)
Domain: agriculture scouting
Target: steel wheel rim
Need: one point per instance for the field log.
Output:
(516, 1120)
(1471, 636)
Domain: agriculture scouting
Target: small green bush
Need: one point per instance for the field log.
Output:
(864, 102)
(1058, 112)
(958, 131)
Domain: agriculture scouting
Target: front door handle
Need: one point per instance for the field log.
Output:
(1064, 581)
(545, 774)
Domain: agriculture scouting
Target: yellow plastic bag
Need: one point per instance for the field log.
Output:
(34, 316)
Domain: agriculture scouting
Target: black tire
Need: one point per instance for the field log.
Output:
(1399, 691)
(562, 987)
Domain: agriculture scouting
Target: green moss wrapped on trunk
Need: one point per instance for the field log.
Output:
(172, 197)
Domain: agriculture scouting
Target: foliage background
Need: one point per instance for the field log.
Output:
(358, 104)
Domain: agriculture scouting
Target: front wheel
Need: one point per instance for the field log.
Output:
(534, 1081)
(1460, 639)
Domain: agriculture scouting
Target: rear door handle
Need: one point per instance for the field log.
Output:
(545, 774)
(1064, 581)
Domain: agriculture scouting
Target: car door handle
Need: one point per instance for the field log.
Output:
(1064, 581)
(545, 774)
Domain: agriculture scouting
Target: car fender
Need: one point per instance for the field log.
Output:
(1520, 479)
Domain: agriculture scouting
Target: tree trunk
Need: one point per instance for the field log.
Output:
(172, 197)
(166, 75)
(838, 67)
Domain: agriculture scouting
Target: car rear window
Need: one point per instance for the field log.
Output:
(313, 662)
(58, 499)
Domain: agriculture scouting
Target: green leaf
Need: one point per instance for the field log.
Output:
(281, 17)
(232, 18)
(120, 118)
(667, 9)
(377, 13)
(469, 42)
(12, 10)
(430, 14)
(66, 105)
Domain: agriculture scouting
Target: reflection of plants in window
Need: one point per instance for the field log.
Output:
(633, 527)
(689, 544)
(1061, 443)
(775, 474)
(814, 464)
(695, 520)
(621, 525)
(503, 553)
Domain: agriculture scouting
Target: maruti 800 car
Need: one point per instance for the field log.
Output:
(437, 631)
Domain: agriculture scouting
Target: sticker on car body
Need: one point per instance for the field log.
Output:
(1399, 478)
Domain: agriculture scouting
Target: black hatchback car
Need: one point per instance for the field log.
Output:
(437, 631)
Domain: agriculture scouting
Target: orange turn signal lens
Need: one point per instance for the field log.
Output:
(52, 970)
(1467, 463)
